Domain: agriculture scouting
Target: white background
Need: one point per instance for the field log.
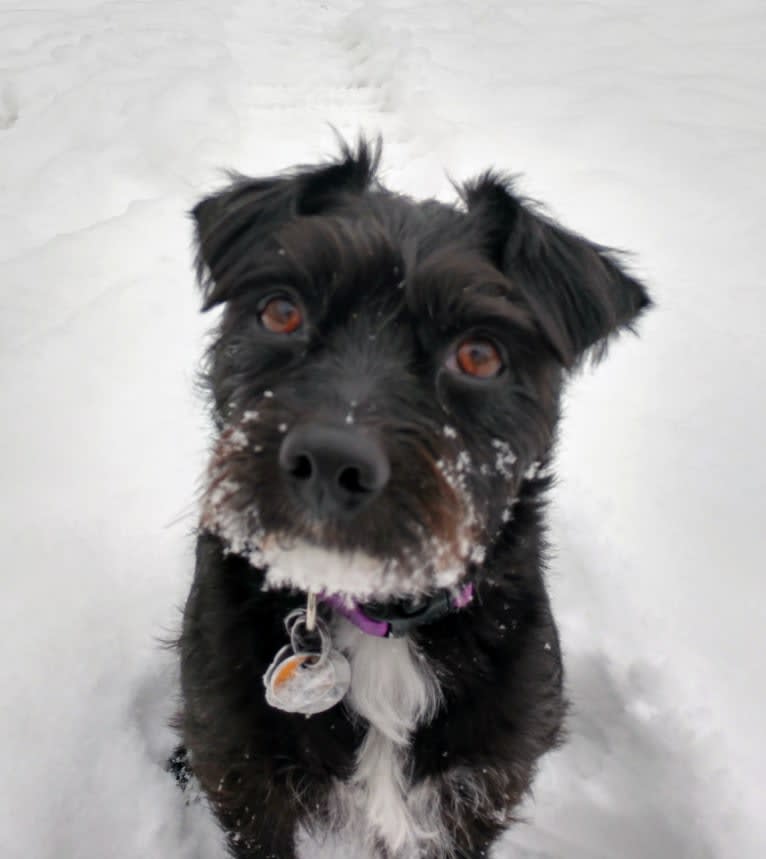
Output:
(640, 125)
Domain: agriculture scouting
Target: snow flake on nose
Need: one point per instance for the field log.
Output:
(237, 439)
(463, 462)
(455, 472)
(477, 554)
(505, 458)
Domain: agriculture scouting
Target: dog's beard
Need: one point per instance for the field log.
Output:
(356, 575)
(307, 565)
(422, 556)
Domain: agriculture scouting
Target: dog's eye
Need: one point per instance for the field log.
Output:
(280, 315)
(477, 357)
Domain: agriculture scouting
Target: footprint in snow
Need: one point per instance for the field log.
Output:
(9, 107)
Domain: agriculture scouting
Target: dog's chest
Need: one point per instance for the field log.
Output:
(394, 690)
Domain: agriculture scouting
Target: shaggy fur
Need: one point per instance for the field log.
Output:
(439, 736)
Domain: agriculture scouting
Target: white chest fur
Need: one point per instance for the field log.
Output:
(394, 690)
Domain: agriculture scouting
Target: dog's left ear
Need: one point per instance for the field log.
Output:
(234, 226)
(577, 290)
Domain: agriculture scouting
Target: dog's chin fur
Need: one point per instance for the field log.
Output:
(357, 576)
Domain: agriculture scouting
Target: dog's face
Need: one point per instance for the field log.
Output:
(386, 373)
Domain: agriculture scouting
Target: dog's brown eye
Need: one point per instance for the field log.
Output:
(281, 316)
(479, 358)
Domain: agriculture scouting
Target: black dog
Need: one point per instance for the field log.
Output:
(385, 382)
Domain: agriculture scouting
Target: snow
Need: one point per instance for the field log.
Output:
(641, 125)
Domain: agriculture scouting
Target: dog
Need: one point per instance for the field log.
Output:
(385, 383)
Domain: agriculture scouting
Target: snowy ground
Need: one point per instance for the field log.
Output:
(642, 127)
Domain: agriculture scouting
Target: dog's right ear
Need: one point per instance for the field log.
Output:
(239, 220)
(578, 291)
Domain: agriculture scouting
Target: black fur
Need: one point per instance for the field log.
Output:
(388, 286)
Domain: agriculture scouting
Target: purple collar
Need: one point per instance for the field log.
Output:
(394, 622)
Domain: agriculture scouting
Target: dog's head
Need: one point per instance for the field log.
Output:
(386, 373)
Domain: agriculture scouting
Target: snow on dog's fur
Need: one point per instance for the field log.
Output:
(385, 384)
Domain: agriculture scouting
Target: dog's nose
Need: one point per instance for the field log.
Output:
(333, 470)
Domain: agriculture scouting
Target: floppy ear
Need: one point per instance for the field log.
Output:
(577, 290)
(238, 221)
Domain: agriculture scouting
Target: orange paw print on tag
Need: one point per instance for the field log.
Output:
(287, 670)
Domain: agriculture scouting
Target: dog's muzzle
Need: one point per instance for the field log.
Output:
(333, 471)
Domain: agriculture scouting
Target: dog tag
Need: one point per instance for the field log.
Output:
(302, 679)
(306, 683)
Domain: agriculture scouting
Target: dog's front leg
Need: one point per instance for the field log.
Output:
(265, 832)
(269, 845)
(476, 849)
(249, 835)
